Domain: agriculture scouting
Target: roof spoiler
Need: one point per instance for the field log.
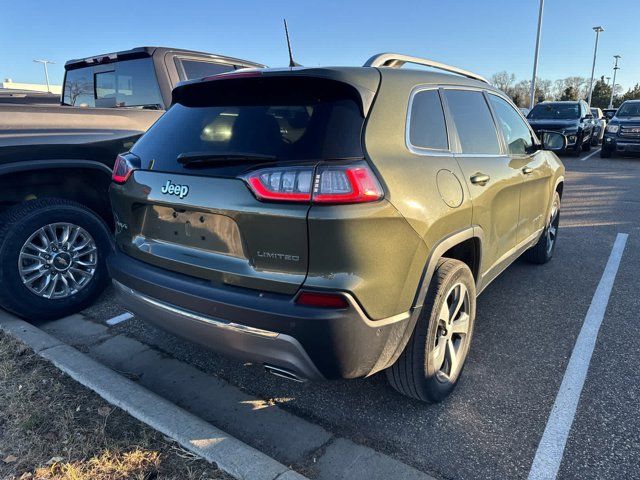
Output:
(397, 60)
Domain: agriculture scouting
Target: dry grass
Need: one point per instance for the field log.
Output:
(53, 428)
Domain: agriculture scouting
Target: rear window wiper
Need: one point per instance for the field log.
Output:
(193, 159)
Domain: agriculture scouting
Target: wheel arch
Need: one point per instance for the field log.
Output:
(83, 181)
(464, 245)
(458, 245)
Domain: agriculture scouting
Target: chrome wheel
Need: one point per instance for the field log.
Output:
(58, 260)
(552, 230)
(447, 355)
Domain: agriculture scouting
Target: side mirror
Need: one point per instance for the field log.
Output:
(553, 141)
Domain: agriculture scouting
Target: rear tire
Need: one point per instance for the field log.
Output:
(430, 365)
(543, 251)
(34, 283)
(586, 146)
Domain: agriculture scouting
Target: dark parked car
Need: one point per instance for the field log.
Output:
(600, 123)
(623, 132)
(55, 170)
(573, 119)
(333, 222)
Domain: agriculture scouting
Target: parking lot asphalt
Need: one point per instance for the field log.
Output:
(527, 324)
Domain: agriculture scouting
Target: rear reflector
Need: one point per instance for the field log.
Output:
(326, 184)
(322, 300)
(124, 166)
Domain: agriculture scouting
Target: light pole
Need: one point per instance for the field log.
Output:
(613, 87)
(593, 68)
(607, 79)
(46, 72)
(535, 57)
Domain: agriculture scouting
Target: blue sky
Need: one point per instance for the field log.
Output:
(484, 36)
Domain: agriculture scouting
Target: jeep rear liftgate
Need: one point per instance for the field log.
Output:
(221, 186)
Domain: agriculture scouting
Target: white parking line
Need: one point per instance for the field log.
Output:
(119, 319)
(590, 155)
(551, 448)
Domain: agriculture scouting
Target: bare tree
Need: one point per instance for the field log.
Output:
(543, 90)
(503, 81)
(520, 93)
(558, 89)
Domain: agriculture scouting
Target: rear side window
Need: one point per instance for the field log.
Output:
(198, 69)
(281, 119)
(427, 128)
(473, 121)
(515, 130)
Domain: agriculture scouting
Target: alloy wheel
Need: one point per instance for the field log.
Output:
(58, 260)
(451, 338)
(552, 230)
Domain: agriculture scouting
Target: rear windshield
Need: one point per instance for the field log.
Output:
(555, 111)
(127, 83)
(279, 119)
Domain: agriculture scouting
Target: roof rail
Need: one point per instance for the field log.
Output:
(397, 60)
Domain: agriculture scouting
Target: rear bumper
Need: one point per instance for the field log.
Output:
(261, 327)
(228, 338)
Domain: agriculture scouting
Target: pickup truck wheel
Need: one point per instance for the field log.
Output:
(542, 251)
(52, 258)
(605, 153)
(431, 364)
(586, 146)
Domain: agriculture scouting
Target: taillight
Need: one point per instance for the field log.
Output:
(346, 184)
(291, 184)
(326, 184)
(322, 300)
(125, 164)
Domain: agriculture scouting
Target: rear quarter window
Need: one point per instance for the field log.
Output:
(191, 68)
(427, 128)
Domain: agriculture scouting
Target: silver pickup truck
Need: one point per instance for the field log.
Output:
(56, 165)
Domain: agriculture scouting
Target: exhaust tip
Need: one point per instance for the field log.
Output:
(283, 373)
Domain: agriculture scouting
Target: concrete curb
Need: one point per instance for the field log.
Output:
(230, 454)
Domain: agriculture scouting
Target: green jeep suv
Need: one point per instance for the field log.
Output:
(333, 222)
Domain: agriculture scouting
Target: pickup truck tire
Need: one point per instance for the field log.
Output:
(72, 270)
(605, 153)
(542, 251)
(430, 365)
(586, 146)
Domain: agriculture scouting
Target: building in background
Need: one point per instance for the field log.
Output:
(29, 93)
(9, 84)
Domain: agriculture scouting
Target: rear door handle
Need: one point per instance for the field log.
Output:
(527, 170)
(480, 179)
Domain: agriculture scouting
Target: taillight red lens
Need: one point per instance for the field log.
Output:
(328, 184)
(322, 300)
(123, 167)
(346, 184)
(291, 184)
